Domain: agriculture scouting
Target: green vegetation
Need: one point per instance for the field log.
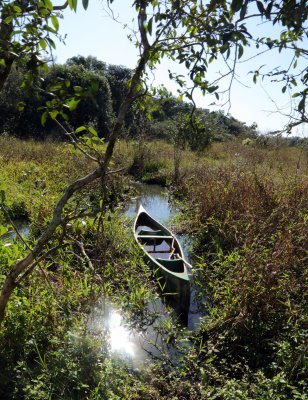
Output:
(95, 91)
(247, 215)
(244, 202)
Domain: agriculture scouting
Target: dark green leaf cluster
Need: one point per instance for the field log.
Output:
(75, 93)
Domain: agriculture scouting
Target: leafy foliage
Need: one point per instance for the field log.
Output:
(196, 35)
(27, 33)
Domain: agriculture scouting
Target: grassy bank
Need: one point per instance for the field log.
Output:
(245, 207)
(248, 215)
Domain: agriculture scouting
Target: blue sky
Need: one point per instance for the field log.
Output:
(93, 32)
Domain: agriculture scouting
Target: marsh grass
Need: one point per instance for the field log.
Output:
(278, 161)
(249, 219)
(245, 207)
(34, 174)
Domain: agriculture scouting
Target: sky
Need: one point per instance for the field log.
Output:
(93, 32)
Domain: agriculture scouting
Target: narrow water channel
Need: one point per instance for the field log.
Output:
(23, 229)
(127, 343)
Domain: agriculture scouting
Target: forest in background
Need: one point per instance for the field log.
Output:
(101, 89)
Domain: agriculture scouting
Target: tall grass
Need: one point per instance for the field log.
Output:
(249, 219)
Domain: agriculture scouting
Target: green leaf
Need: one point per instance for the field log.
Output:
(260, 7)
(240, 51)
(43, 43)
(85, 4)
(301, 105)
(284, 89)
(93, 131)
(78, 89)
(50, 29)
(8, 19)
(212, 89)
(72, 4)
(48, 5)
(55, 22)
(268, 10)
(236, 5)
(3, 230)
(51, 42)
(80, 129)
(44, 118)
(54, 114)
(73, 103)
(150, 25)
(17, 9)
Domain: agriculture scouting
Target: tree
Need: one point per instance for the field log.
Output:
(21, 110)
(11, 95)
(87, 89)
(187, 31)
(27, 29)
(91, 63)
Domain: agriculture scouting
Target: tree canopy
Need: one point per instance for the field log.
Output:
(197, 34)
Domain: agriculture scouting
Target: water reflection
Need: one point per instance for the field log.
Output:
(22, 227)
(106, 321)
(119, 335)
(154, 199)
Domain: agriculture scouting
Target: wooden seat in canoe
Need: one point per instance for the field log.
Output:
(172, 265)
(157, 233)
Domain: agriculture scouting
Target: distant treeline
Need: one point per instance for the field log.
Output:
(99, 89)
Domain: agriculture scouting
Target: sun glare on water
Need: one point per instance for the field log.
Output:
(120, 336)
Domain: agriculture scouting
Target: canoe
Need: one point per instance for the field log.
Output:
(164, 255)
